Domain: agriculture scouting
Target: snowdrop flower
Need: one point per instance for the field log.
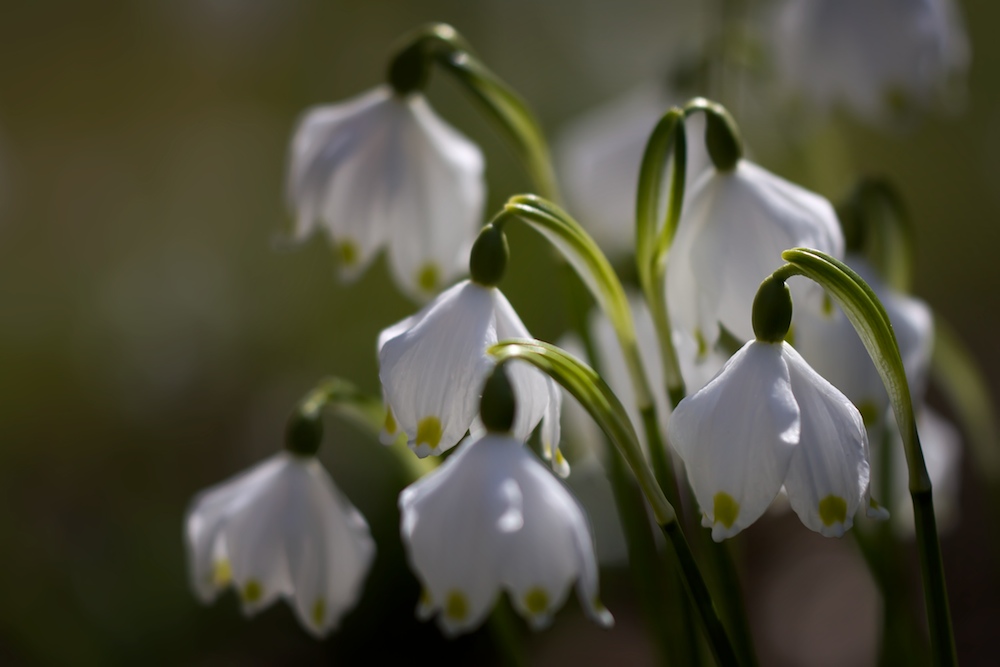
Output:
(831, 345)
(493, 517)
(768, 420)
(280, 529)
(733, 229)
(384, 169)
(432, 366)
(600, 154)
(879, 58)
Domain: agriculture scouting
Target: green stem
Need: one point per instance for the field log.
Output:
(868, 316)
(722, 648)
(409, 71)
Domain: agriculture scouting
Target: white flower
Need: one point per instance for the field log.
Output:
(600, 155)
(766, 420)
(433, 365)
(732, 232)
(493, 517)
(879, 58)
(280, 529)
(830, 344)
(383, 169)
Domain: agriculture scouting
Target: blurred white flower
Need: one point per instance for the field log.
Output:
(433, 364)
(879, 58)
(830, 344)
(280, 529)
(491, 518)
(383, 169)
(732, 232)
(768, 420)
(599, 157)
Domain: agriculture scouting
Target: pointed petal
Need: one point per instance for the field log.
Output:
(829, 472)
(737, 436)
(433, 373)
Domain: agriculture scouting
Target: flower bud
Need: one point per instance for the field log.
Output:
(304, 433)
(488, 259)
(772, 311)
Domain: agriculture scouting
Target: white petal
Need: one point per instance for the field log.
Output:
(829, 472)
(732, 232)
(435, 370)
(208, 515)
(330, 550)
(436, 203)
(737, 436)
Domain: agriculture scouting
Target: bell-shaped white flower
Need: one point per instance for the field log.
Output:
(384, 169)
(600, 154)
(732, 232)
(830, 344)
(433, 365)
(768, 420)
(491, 518)
(280, 529)
(881, 59)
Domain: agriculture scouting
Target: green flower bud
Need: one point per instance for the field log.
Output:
(497, 407)
(488, 259)
(772, 310)
(304, 433)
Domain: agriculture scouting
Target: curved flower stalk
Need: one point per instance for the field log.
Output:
(599, 156)
(491, 518)
(832, 347)
(768, 420)
(882, 60)
(280, 529)
(433, 364)
(382, 169)
(732, 231)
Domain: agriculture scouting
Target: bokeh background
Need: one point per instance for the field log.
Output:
(156, 329)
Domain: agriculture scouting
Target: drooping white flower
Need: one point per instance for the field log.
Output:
(433, 365)
(280, 529)
(384, 169)
(732, 232)
(491, 518)
(768, 420)
(879, 58)
(830, 344)
(600, 155)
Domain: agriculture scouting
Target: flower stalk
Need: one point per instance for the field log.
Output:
(440, 44)
(868, 316)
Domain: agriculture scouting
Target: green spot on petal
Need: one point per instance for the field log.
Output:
(832, 509)
(429, 431)
(869, 413)
(319, 612)
(725, 509)
(699, 338)
(252, 591)
(428, 277)
(390, 422)
(457, 607)
(560, 459)
(348, 253)
(222, 573)
(536, 600)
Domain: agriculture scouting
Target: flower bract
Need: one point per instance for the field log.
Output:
(433, 365)
(384, 170)
(491, 518)
(280, 529)
(768, 420)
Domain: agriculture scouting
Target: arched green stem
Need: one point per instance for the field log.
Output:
(440, 44)
(868, 316)
(586, 258)
(604, 407)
